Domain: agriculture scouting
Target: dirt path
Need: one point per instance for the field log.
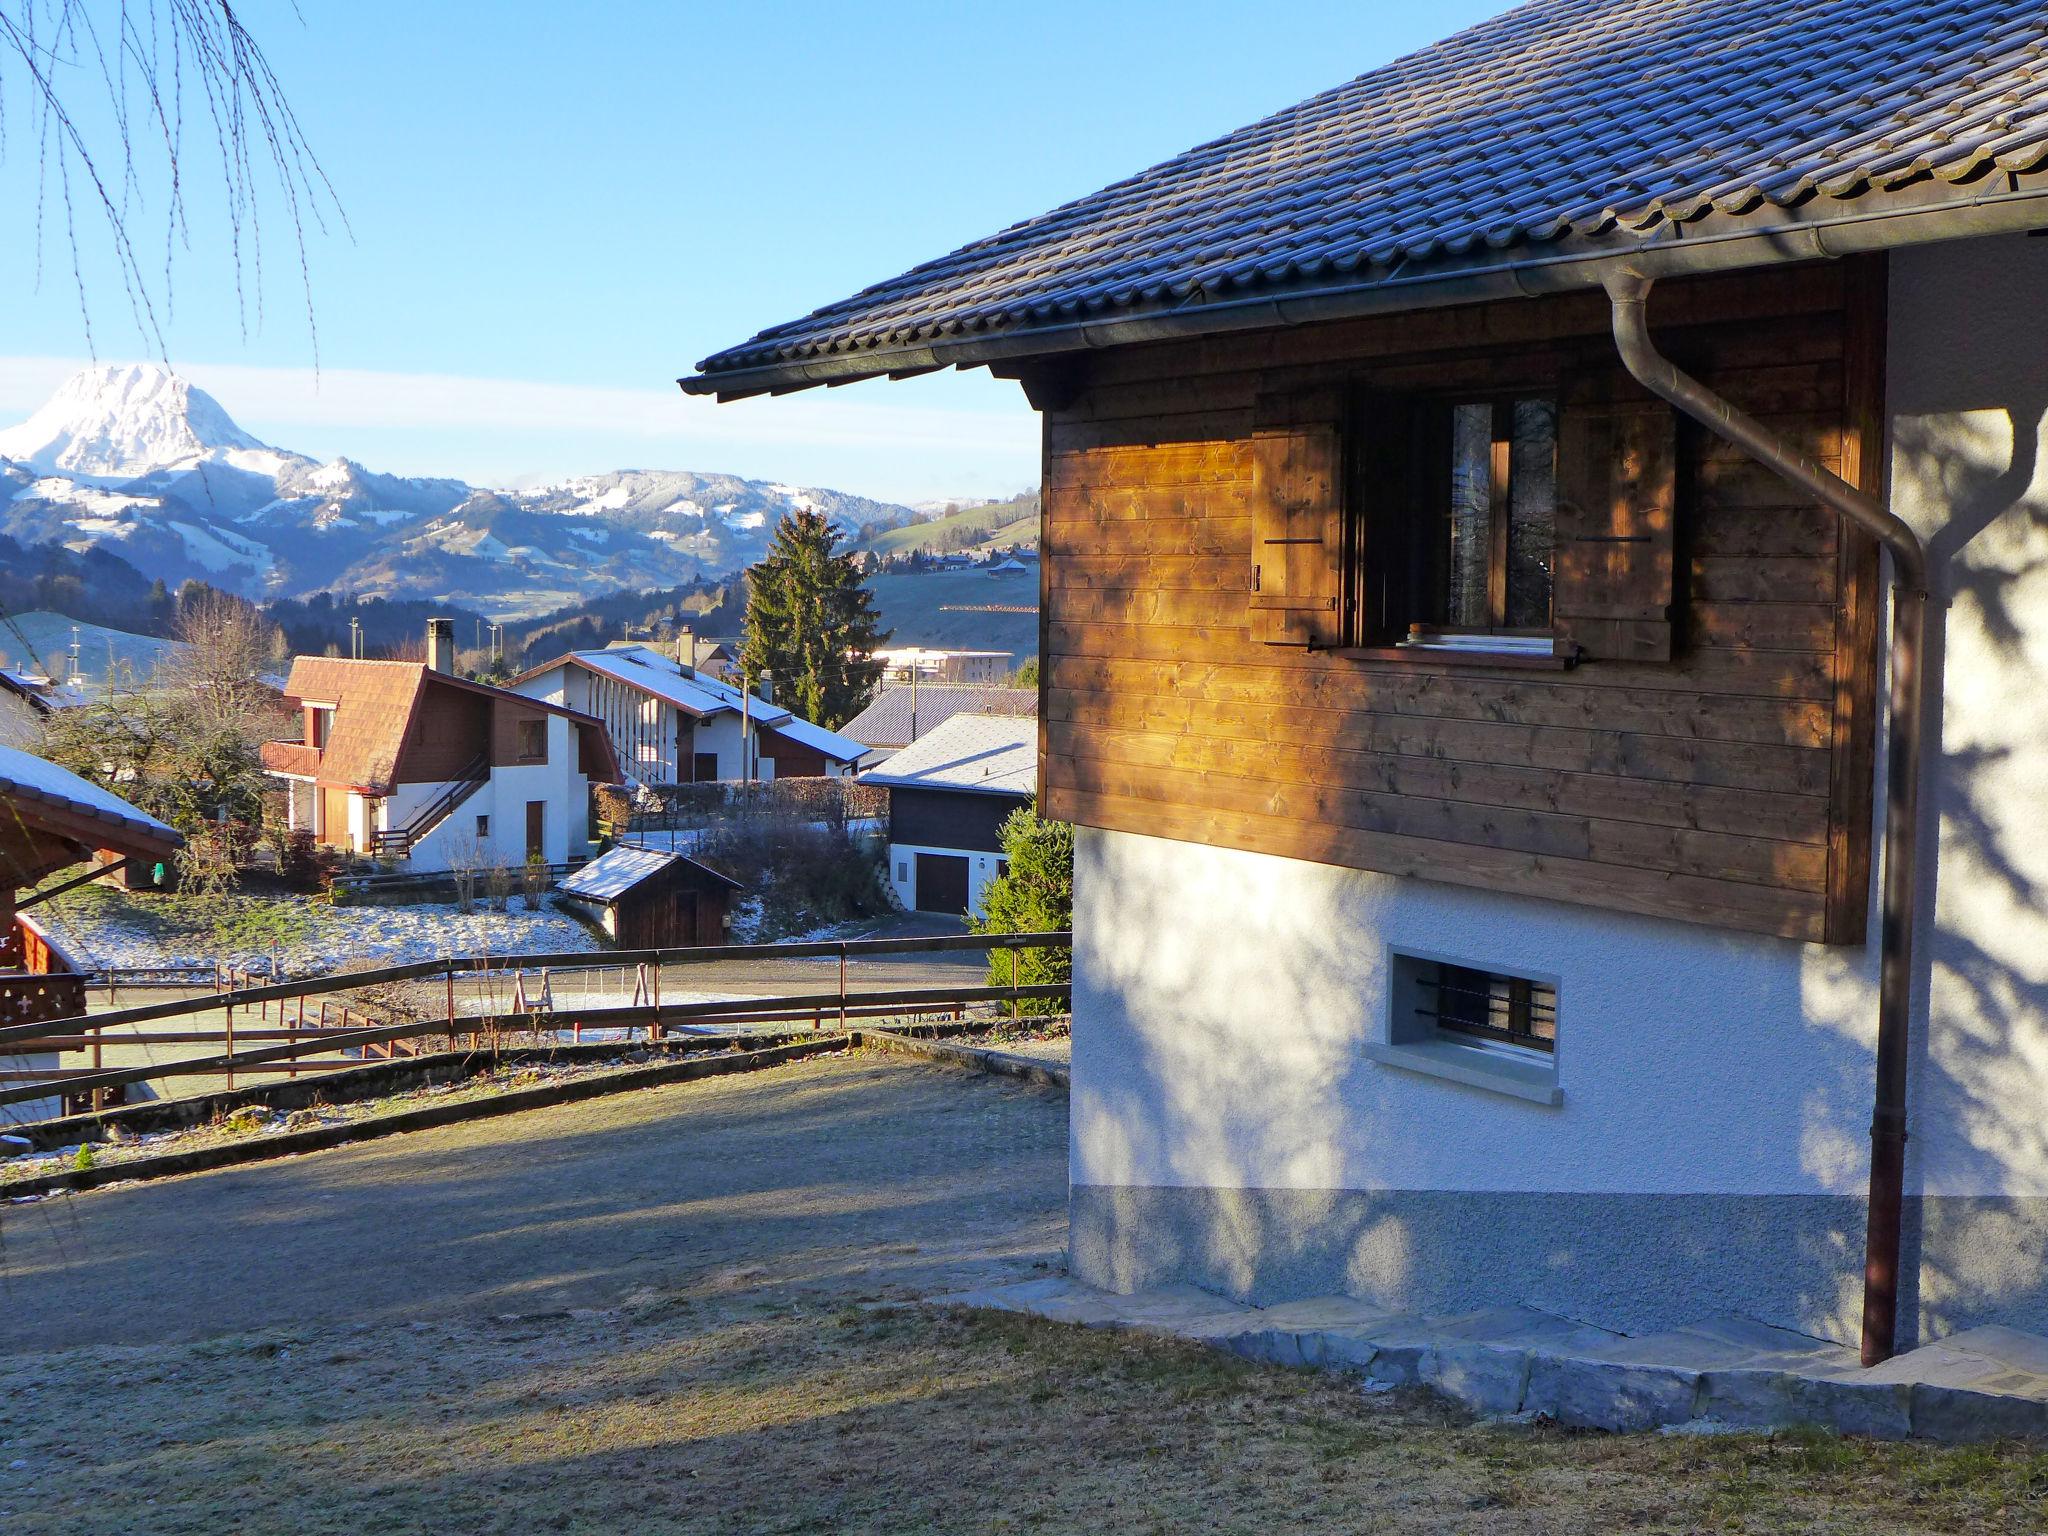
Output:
(860, 1175)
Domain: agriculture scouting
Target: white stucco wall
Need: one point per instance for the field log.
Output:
(1967, 392)
(565, 824)
(1224, 999)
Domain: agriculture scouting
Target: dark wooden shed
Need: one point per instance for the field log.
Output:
(647, 899)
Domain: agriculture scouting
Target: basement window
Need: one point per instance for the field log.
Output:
(1448, 1017)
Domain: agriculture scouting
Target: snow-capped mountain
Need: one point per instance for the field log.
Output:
(136, 460)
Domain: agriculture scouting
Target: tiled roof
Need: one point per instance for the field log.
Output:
(886, 722)
(1559, 120)
(981, 754)
(27, 781)
(374, 703)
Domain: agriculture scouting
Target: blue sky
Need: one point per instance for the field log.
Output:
(556, 210)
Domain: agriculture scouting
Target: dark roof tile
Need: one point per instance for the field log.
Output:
(1558, 118)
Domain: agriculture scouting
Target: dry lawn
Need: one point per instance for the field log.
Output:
(746, 1412)
(658, 1313)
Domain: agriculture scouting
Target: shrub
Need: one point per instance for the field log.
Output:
(804, 875)
(1035, 894)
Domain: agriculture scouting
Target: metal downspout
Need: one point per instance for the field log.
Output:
(1629, 294)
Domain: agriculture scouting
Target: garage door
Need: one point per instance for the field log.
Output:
(941, 883)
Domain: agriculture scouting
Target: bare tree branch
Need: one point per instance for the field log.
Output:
(134, 60)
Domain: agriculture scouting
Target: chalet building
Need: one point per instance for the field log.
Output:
(1546, 647)
(950, 792)
(54, 819)
(405, 760)
(900, 714)
(672, 724)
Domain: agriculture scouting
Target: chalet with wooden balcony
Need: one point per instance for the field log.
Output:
(51, 819)
(1544, 619)
(673, 723)
(404, 760)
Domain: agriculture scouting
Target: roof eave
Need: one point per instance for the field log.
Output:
(2000, 202)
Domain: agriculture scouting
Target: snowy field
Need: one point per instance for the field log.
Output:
(106, 934)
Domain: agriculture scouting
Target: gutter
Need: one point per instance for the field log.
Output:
(1628, 292)
(2006, 203)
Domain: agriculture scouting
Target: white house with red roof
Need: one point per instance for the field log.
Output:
(406, 760)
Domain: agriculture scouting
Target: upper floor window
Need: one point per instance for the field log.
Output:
(1482, 527)
(319, 725)
(1536, 521)
(533, 741)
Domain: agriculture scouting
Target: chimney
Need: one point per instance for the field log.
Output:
(441, 645)
(765, 690)
(686, 651)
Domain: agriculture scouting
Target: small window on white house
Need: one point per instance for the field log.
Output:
(1472, 1024)
(902, 869)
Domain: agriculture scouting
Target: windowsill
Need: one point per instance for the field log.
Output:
(1462, 656)
(1474, 1066)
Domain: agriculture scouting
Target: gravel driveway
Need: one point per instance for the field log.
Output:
(862, 1176)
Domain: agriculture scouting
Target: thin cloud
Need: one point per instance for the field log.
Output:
(343, 399)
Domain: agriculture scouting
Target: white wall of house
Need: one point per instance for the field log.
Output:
(981, 869)
(503, 799)
(1709, 1151)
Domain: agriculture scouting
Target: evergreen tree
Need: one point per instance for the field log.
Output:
(811, 624)
(1034, 894)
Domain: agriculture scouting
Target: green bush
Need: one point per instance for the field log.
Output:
(1035, 894)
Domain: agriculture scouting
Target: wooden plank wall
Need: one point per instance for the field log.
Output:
(1730, 786)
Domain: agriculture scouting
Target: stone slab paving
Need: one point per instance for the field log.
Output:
(1727, 1372)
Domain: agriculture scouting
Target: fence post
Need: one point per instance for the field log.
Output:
(448, 976)
(654, 1029)
(231, 1042)
(842, 986)
(1013, 984)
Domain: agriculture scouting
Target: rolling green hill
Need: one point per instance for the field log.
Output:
(991, 525)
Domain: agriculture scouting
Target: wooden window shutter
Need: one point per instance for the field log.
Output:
(1297, 568)
(1617, 513)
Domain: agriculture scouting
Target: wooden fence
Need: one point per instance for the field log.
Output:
(277, 1033)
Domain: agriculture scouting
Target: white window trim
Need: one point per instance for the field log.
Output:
(1504, 1069)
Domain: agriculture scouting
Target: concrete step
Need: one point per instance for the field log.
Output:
(1502, 1361)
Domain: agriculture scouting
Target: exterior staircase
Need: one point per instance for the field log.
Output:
(399, 842)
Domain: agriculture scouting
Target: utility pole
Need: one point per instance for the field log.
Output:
(75, 669)
(355, 639)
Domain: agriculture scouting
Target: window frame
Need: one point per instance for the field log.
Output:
(1399, 525)
(522, 729)
(1414, 1042)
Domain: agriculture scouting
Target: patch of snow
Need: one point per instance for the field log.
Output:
(744, 520)
(217, 551)
(345, 935)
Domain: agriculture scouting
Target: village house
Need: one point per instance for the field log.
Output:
(950, 792)
(405, 760)
(54, 819)
(902, 663)
(900, 714)
(1544, 593)
(670, 723)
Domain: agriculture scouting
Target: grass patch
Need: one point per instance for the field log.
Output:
(702, 1412)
